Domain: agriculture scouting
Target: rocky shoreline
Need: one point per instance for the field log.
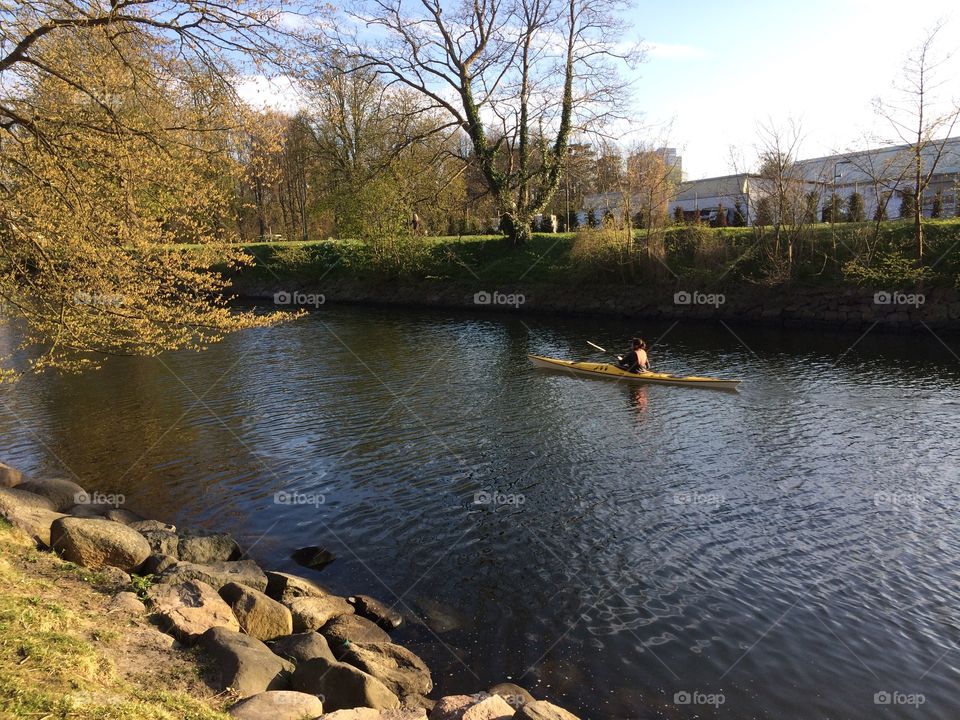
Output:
(284, 646)
(798, 306)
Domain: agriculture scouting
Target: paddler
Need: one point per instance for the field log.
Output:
(635, 359)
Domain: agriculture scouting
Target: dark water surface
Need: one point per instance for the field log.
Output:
(793, 548)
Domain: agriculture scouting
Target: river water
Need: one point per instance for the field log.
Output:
(788, 551)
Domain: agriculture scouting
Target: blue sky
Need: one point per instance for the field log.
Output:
(716, 69)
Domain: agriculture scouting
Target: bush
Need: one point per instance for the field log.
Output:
(678, 216)
(936, 211)
(856, 212)
(600, 251)
(907, 203)
(764, 212)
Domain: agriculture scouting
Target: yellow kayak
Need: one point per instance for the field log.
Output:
(606, 370)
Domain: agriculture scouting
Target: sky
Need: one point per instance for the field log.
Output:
(716, 69)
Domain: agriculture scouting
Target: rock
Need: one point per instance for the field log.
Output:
(342, 686)
(9, 476)
(452, 707)
(371, 714)
(87, 510)
(493, 707)
(36, 522)
(114, 577)
(351, 629)
(284, 587)
(259, 616)
(403, 672)
(245, 664)
(374, 610)
(162, 542)
(302, 647)
(64, 493)
(277, 705)
(313, 557)
(312, 613)
(122, 515)
(206, 549)
(542, 710)
(152, 526)
(245, 572)
(96, 543)
(418, 702)
(187, 610)
(126, 603)
(515, 695)
(156, 564)
(13, 498)
(471, 707)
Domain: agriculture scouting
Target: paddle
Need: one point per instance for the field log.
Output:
(618, 357)
(594, 345)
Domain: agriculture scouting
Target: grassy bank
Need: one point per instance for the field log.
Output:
(65, 654)
(842, 254)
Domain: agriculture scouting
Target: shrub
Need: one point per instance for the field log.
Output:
(907, 203)
(600, 251)
(678, 216)
(764, 212)
(936, 210)
(739, 217)
(855, 208)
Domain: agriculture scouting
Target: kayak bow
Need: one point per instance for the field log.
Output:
(608, 371)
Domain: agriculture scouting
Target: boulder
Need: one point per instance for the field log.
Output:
(126, 603)
(63, 493)
(152, 525)
(472, 707)
(206, 549)
(259, 616)
(302, 647)
(122, 515)
(88, 510)
(16, 499)
(403, 672)
(374, 610)
(492, 707)
(371, 714)
(245, 572)
(313, 557)
(285, 587)
(36, 522)
(342, 686)
(452, 707)
(9, 476)
(542, 710)
(156, 564)
(277, 705)
(515, 695)
(312, 613)
(96, 543)
(244, 663)
(187, 610)
(162, 542)
(113, 577)
(345, 629)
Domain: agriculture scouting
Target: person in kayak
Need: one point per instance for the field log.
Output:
(635, 360)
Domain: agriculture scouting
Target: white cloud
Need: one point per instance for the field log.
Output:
(674, 51)
(276, 93)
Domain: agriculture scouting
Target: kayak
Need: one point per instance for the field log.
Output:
(606, 370)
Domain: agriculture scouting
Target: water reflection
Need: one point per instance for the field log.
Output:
(664, 531)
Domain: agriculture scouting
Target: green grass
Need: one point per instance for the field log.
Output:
(822, 254)
(56, 643)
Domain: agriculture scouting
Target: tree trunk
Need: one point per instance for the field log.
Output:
(517, 228)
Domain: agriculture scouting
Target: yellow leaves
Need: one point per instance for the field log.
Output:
(88, 215)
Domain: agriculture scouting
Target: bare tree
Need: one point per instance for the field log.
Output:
(519, 77)
(921, 119)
